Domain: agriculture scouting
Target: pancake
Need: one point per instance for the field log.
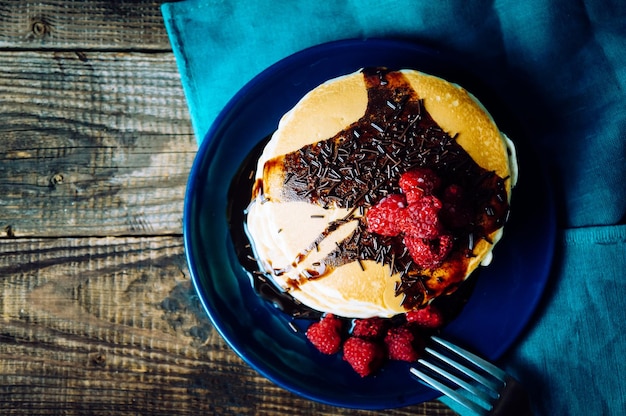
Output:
(339, 152)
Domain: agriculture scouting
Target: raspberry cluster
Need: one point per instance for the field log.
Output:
(425, 214)
(416, 215)
(366, 344)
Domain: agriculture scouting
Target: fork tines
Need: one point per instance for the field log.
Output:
(456, 372)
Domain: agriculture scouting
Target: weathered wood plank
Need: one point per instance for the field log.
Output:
(92, 144)
(80, 25)
(111, 326)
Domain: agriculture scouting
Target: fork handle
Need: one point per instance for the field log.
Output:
(514, 401)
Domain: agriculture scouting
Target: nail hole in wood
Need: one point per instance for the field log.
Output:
(40, 27)
(98, 359)
(56, 179)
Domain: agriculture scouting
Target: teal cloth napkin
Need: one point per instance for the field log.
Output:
(563, 66)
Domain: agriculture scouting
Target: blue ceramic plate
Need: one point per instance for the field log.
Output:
(505, 296)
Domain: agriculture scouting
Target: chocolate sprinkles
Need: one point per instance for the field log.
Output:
(360, 165)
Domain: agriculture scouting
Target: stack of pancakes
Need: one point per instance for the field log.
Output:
(300, 232)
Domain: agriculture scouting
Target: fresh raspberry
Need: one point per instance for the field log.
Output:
(429, 253)
(453, 193)
(384, 217)
(427, 317)
(421, 218)
(369, 328)
(419, 182)
(332, 321)
(363, 355)
(455, 212)
(455, 216)
(325, 335)
(401, 344)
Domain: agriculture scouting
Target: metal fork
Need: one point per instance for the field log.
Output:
(470, 381)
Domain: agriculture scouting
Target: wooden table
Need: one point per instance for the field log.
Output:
(98, 315)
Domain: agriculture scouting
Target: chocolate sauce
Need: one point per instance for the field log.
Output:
(238, 201)
(360, 165)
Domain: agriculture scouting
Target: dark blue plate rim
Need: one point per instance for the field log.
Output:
(430, 61)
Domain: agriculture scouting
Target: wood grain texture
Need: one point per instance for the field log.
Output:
(80, 25)
(112, 326)
(98, 144)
